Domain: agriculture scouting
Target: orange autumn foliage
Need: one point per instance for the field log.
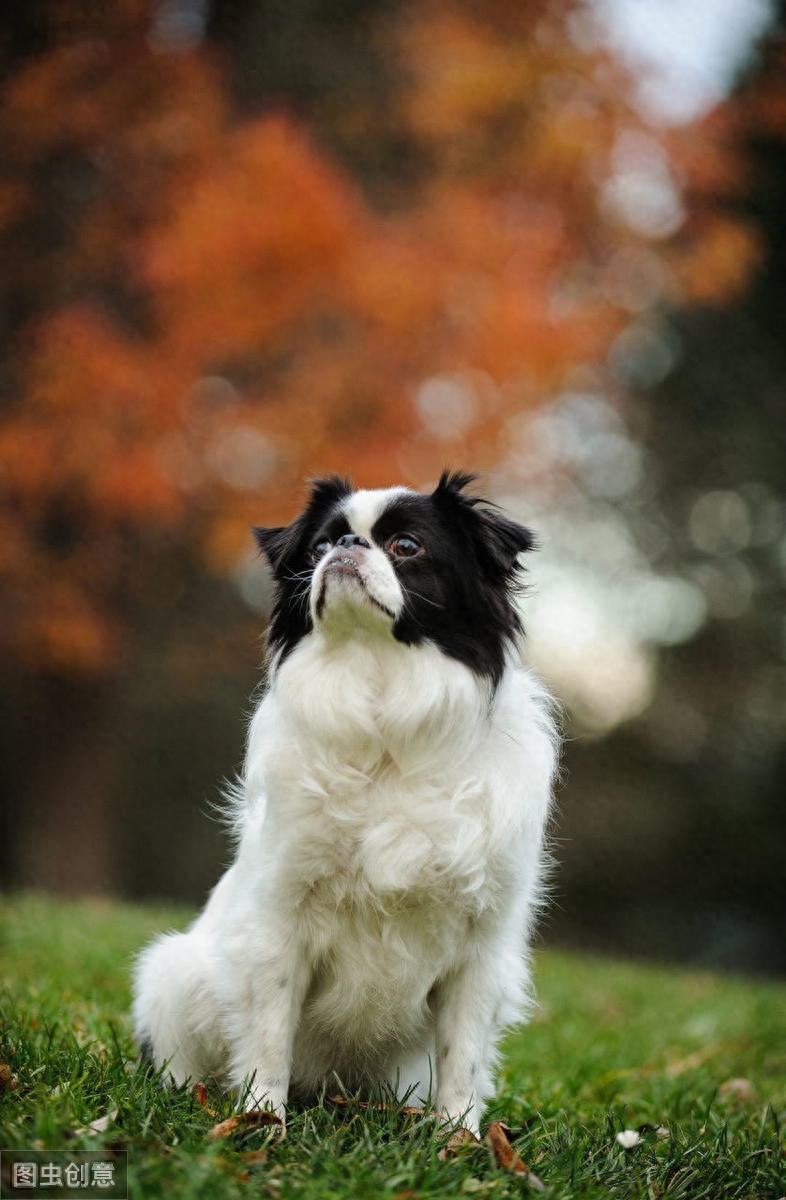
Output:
(223, 311)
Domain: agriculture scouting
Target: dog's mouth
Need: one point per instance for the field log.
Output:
(345, 565)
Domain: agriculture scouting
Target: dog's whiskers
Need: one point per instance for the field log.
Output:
(425, 599)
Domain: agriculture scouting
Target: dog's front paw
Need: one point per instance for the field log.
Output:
(266, 1097)
(461, 1113)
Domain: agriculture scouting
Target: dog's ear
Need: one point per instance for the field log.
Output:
(499, 540)
(505, 539)
(272, 542)
(281, 541)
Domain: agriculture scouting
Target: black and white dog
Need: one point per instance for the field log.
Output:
(373, 926)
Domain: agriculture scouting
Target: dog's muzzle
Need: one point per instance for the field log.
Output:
(339, 562)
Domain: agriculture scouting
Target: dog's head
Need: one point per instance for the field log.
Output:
(439, 568)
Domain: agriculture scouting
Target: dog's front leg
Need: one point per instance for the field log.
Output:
(466, 1005)
(263, 1033)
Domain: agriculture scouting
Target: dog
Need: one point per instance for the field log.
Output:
(372, 931)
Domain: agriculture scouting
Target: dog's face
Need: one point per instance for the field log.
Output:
(417, 568)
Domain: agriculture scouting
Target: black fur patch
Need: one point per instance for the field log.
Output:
(459, 592)
(146, 1053)
(288, 550)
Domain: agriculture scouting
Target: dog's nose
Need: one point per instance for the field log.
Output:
(353, 539)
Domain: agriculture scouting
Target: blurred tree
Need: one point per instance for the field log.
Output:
(203, 304)
(681, 852)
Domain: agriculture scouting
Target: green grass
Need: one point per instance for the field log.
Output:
(614, 1046)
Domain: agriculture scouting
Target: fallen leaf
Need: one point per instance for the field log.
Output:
(8, 1080)
(458, 1139)
(248, 1120)
(230, 1167)
(508, 1157)
(200, 1091)
(254, 1158)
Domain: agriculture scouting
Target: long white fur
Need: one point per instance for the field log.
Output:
(373, 926)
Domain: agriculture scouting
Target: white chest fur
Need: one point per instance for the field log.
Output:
(370, 778)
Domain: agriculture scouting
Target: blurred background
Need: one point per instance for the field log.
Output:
(245, 242)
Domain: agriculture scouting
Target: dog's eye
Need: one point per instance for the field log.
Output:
(404, 546)
(320, 548)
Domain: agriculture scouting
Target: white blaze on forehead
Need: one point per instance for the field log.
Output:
(363, 509)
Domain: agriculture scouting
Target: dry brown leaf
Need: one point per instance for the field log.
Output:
(248, 1120)
(253, 1158)
(8, 1080)
(230, 1167)
(458, 1139)
(200, 1092)
(508, 1157)
(342, 1101)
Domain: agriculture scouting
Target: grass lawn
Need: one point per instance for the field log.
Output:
(696, 1063)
